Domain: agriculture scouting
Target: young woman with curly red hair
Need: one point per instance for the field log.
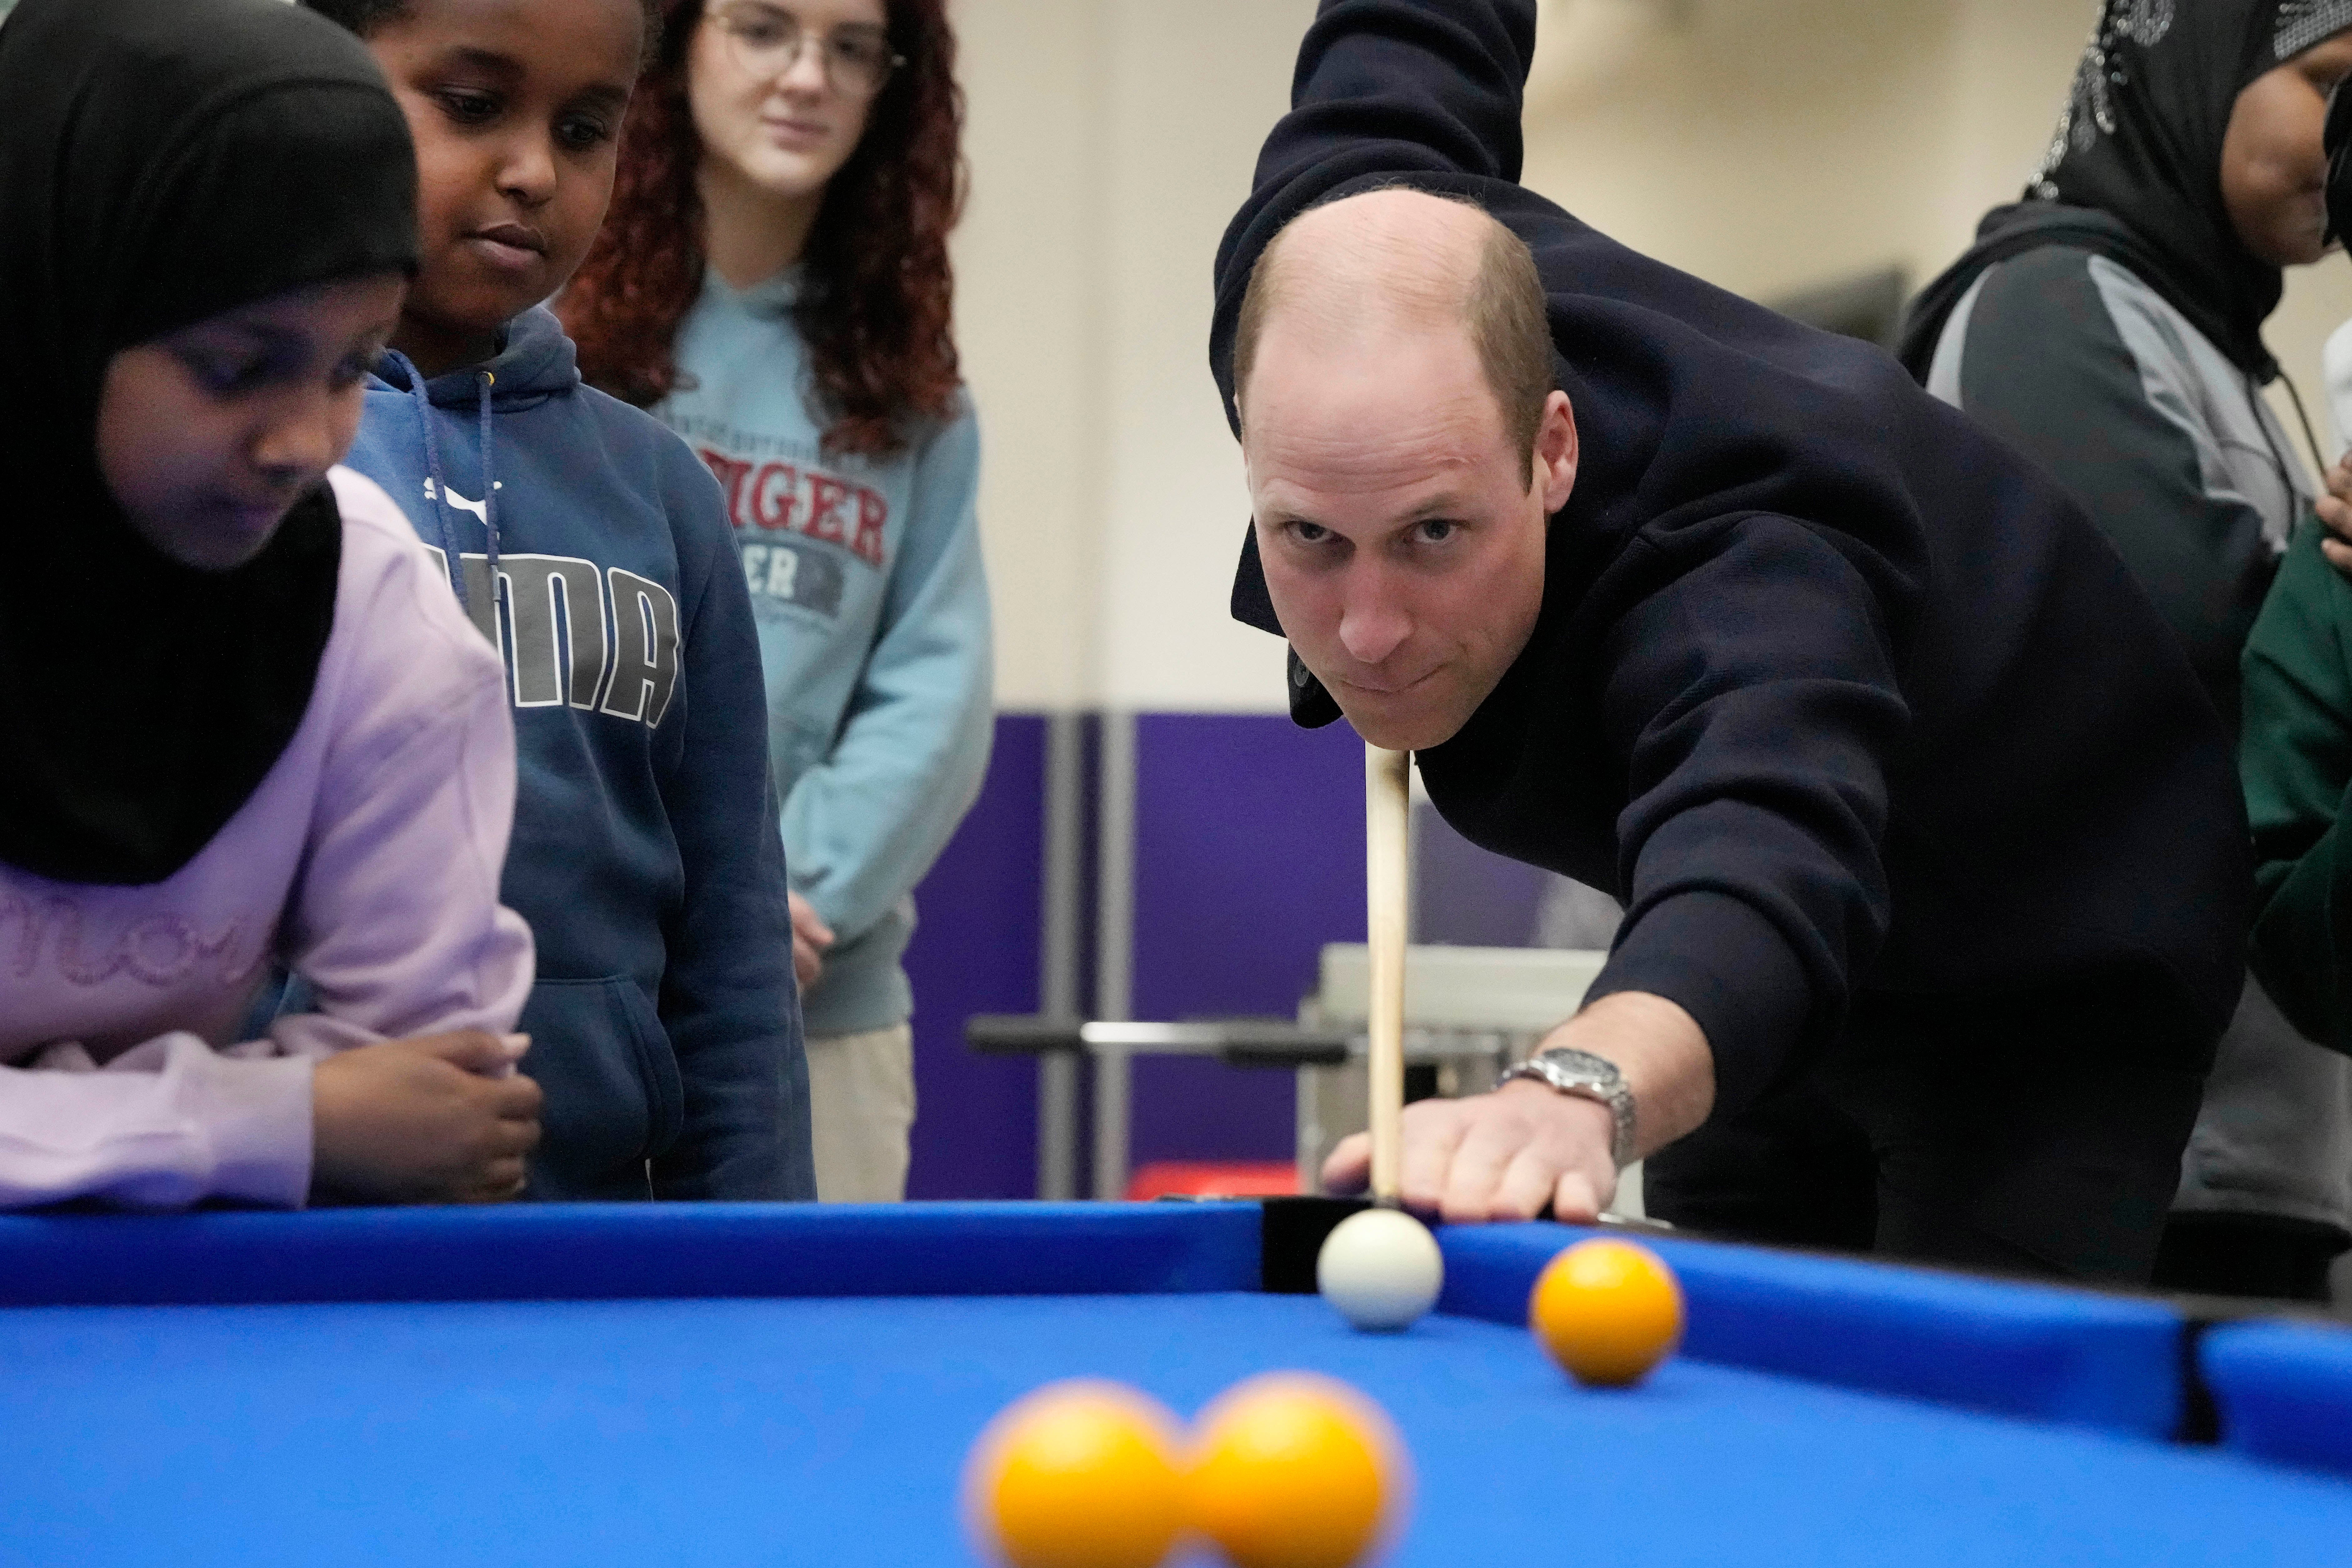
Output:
(772, 281)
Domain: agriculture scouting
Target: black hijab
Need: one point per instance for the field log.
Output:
(161, 162)
(2133, 172)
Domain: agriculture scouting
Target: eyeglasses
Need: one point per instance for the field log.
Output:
(768, 43)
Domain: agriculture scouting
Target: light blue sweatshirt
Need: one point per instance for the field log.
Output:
(872, 608)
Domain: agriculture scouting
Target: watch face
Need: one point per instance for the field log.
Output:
(1583, 1067)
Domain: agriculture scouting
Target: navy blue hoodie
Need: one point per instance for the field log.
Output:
(664, 1027)
(1874, 734)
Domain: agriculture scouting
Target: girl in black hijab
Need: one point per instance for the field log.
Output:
(241, 717)
(2109, 325)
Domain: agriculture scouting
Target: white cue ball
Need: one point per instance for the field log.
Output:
(1380, 1268)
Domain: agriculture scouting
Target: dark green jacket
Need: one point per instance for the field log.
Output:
(2297, 759)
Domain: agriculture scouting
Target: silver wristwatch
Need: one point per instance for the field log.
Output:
(1588, 1077)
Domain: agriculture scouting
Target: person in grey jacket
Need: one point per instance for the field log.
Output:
(2109, 326)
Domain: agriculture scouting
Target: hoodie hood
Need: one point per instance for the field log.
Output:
(535, 362)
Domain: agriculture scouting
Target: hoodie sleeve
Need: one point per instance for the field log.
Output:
(728, 999)
(863, 826)
(2295, 760)
(1750, 689)
(1409, 88)
(168, 1123)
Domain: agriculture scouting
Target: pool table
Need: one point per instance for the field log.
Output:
(720, 1385)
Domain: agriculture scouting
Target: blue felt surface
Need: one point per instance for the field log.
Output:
(2011, 1350)
(2285, 1392)
(719, 1433)
(605, 1250)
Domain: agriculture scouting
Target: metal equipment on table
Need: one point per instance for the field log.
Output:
(1469, 1012)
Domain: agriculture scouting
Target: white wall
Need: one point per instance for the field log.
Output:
(1193, 86)
(1769, 144)
(1762, 145)
(1028, 310)
(1110, 142)
(1766, 145)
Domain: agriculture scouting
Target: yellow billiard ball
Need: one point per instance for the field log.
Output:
(1292, 1470)
(1077, 1475)
(1608, 1310)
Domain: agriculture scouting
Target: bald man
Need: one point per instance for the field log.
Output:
(1932, 855)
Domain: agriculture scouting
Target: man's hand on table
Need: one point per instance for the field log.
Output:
(442, 1119)
(2334, 510)
(1504, 1156)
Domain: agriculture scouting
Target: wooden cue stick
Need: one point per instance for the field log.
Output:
(1388, 893)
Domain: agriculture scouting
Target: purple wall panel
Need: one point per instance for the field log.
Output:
(1467, 896)
(976, 951)
(1249, 858)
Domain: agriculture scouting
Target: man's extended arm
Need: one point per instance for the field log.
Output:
(1504, 1155)
(1749, 849)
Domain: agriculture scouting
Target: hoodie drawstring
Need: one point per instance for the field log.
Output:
(442, 510)
(440, 481)
(489, 484)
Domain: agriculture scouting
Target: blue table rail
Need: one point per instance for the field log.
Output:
(747, 1383)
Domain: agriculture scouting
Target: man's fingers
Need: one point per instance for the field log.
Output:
(1573, 1201)
(1528, 1183)
(1432, 1131)
(1488, 1146)
(2339, 554)
(1349, 1165)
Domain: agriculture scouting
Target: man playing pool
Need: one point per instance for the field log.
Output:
(1932, 860)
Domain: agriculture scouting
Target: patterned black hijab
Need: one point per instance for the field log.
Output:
(161, 162)
(2134, 170)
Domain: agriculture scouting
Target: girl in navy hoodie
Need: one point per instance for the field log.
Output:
(592, 547)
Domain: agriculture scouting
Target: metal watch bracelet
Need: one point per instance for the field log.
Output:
(1588, 1077)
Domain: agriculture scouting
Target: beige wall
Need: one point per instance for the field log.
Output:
(1766, 145)
(1028, 310)
(1770, 144)
(1110, 141)
(1762, 145)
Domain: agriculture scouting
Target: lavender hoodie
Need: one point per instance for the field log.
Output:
(367, 862)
